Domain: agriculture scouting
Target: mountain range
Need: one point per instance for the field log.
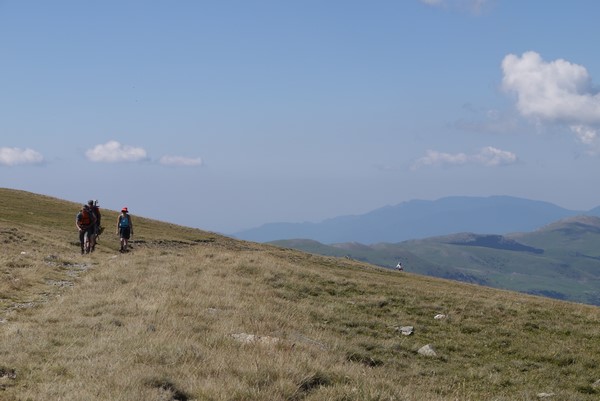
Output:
(418, 219)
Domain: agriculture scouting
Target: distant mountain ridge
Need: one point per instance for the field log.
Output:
(421, 219)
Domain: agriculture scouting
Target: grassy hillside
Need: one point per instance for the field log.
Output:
(561, 260)
(190, 315)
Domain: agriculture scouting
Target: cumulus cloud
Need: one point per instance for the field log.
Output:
(180, 161)
(488, 156)
(16, 156)
(556, 92)
(115, 152)
(551, 91)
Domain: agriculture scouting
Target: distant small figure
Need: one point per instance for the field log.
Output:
(124, 228)
(399, 267)
(86, 223)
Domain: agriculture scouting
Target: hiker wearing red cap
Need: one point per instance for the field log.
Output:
(124, 228)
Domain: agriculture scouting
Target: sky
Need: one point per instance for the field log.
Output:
(226, 115)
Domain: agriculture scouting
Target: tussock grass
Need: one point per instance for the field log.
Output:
(190, 315)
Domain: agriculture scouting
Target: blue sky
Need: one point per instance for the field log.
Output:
(226, 115)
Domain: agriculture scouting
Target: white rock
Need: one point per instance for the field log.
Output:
(439, 316)
(252, 338)
(407, 330)
(427, 350)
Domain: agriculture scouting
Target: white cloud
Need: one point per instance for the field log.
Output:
(115, 152)
(588, 136)
(585, 134)
(488, 156)
(16, 156)
(180, 161)
(433, 158)
(557, 91)
(491, 157)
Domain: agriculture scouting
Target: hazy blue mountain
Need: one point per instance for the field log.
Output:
(421, 219)
(594, 212)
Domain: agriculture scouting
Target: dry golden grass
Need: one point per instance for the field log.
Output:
(189, 315)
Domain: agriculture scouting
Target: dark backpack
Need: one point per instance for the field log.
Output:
(96, 211)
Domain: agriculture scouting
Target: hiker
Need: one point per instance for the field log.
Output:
(86, 223)
(97, 228)
(399, 267)
(124, 228)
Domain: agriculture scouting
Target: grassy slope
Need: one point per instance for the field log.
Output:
(164, 322)
(568, 269)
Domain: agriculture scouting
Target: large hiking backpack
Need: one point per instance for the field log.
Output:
(86, 217)
(96, 211)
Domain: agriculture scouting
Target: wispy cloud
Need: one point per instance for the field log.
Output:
(17, 156)
(491, 157)
(587, 136)
(554, 92)
(488, 156)
(168, 160)
(435, 158)
(115, 152)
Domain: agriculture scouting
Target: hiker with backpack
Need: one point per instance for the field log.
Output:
(97, 228)
(86, 225)
(124, 228)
